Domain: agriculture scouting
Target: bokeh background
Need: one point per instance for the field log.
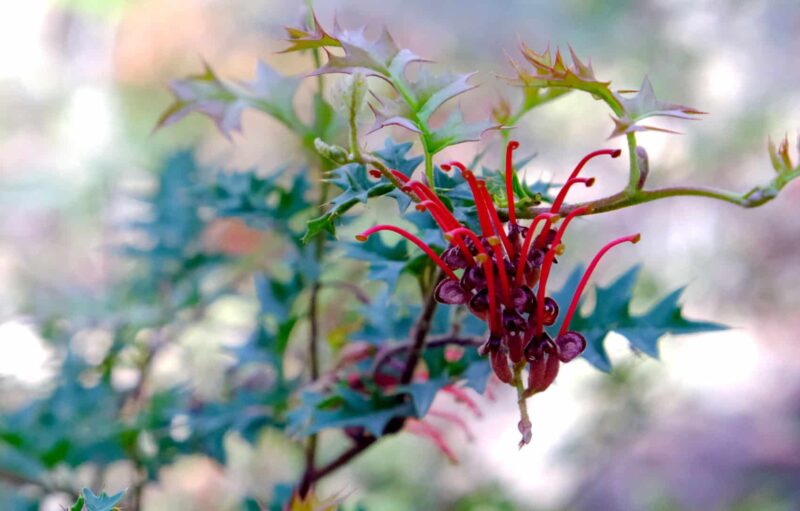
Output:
(714, 425)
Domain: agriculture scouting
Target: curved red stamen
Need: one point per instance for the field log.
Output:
(512, 213)
(437, 211)
(375, 173)
(547, 264)
(498, 225)
(483, 214)
(425, 193)
(634, 238)
(448, 166)
(418, 242)
(614, 153)
(562, 194)
(526, 245)
(488, 268)
(399, 175)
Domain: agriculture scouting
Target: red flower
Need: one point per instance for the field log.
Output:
(494, 272)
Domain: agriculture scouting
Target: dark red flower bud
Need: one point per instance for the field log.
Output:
(523, 299)
(473, 277)
(500, 366)
(515, 350)
(550, 311)
(513, 321)
(450, 291)
(542, 372)
(570, 345)
(492, 344)
(537, 347)
(479, 304)
(454, 258)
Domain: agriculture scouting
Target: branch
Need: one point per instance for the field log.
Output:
(415, 348)
(359, 293)
(756, 197)
(419, 334)
(341, 460)
(387, 353)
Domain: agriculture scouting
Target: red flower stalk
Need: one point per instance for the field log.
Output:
(562, 194)
(483, 214)
(498, 225)
(526, 245)
(634, 238)
(437, 211)
(418, 242)
(512, 212)
(548, 263)
(614, 153)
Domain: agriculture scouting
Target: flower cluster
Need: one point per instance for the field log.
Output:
(501, 272)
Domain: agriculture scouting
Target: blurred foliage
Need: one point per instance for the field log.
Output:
(268, 244)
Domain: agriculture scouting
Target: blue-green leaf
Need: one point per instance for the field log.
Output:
(103, 502)
(612, 314)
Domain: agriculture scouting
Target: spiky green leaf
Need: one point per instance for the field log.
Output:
(612, 314)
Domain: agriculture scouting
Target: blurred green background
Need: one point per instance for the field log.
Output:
(715, 425)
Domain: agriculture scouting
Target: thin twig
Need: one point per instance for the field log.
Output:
(420, 333)
(359, 293)
(391, 351)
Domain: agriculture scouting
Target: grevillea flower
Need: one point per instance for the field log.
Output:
(500, 273)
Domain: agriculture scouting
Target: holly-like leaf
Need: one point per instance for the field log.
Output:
(225, 101)
(309, 38)
(612, 314)
(394, 154)
(423, 393)
(386, 262)
(102, 502)
(428, 92)
(379, 57)
(643, 105)
(277, 297)
(260, 202)
(346, 408)
(78, 505)
(414, 101)
(456, 131)
(384, 320)
(358, 187)
(553, 71)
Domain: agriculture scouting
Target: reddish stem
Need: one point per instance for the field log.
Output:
(526, 245)
(399, 175)
(418, 242)
(437, 212)
(425, 193)
(498, 224)
(483, 215)
(547, 264)
(634, 238)
(614, 153)
(512, 213)
(562, 194)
